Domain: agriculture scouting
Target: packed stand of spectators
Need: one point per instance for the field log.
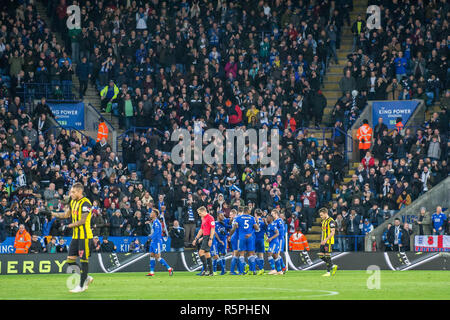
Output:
(401, 166)
(277, 64)
(32, 63)
(160, 63)
(405, 59)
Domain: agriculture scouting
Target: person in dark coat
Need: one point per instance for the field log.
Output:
(84, 74)
(177, 237)
(107, 246)
(319, 103)
(36, 246)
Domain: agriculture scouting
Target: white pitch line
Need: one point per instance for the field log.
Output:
(324, 292)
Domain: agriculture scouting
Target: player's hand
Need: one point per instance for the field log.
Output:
(221, 242)
(248, 236)
(70, 225)
(193, 242)
(322, 243)
(210, 242)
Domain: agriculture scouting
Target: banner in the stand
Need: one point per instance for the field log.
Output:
(389, 111)
(432, 243)
(69, 114)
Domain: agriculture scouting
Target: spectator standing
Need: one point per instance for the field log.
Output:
(406, 237)
(353, 229)
(309, 200)
(347, 83)
(341, 241)
(439, 220)
(422, 224)
(385, 239)
(177, 237)
(395, 237)
(400, 66)
(190, 218)
(83, 72)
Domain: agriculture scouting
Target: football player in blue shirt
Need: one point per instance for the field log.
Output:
(259, 241)
(156, 244)
(282, 230)
(274, 245)
(438, 219)
(246, 224)
(219, 246)
(234, 239)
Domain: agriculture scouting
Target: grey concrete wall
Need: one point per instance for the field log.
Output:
(438, 196)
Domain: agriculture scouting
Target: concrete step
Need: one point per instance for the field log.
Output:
(331, 86)
(336, 69)
(313, 245)
(332, 94)
(313, 237)
(333, 77)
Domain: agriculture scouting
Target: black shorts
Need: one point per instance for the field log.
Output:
(326, 248)
(81, 248)
(204, 246)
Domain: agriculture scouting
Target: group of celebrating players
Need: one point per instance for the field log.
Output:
(245, 232)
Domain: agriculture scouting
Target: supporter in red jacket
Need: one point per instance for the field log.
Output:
(368, 161)
(309, 201)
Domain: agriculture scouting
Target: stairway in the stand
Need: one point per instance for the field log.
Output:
(92, 96)
(335, 71)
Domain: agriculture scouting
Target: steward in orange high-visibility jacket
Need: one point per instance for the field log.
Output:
(102, 130)
(23, 240)
(364, 136)
(298, 242)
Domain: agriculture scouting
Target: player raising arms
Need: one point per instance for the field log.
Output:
(327, 241)
(80, 211)
(207, 230)
(281, 229)
(246, 224)
(156, 244)
(259, 241)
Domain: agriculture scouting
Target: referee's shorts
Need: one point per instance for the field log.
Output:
(204, 246)
(81, 248)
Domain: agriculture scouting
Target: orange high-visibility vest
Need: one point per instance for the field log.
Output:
(364, 135)
(298, 242)
(22, 242)
(102, 131)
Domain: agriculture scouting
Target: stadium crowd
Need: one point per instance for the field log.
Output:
(404, 59)
(200, 65)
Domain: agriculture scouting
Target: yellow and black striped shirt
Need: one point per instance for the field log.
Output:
(327, 225)
(78, 207)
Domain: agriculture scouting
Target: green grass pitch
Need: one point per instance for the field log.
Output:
(299, 285)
